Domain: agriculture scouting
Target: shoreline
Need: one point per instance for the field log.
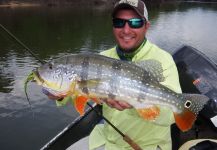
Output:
(15, 4)
(97, 3)
(91, 3)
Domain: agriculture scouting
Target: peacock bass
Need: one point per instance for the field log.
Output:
(95, 77)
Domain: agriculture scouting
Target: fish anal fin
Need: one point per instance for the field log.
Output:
(80, 103)
(185, 120)
(150, 113)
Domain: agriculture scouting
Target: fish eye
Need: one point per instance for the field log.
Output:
(187, 104)
(50, 66)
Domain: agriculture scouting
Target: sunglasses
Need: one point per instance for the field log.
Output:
(133, 23)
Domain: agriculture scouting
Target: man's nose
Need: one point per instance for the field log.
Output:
(126, 28)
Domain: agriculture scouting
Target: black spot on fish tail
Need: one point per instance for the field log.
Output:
(195, 102)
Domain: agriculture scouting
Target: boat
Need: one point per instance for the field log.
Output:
(198, 74)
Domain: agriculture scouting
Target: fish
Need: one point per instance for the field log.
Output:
(90, 76)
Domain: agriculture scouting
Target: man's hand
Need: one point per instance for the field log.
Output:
(119, 105)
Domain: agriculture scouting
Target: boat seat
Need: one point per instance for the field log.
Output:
(200, 144)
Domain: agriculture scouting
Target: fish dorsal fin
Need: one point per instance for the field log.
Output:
(153, 67)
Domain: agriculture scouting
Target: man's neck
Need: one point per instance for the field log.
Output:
(128, 55)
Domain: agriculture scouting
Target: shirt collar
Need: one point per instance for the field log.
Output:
(128, 56)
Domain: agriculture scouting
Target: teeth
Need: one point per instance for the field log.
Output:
(127, 38)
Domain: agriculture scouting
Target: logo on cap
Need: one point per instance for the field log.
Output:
(130, 2)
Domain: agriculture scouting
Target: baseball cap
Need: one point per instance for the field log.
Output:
(137, 5)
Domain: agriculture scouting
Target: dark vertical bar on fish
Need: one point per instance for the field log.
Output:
(116, 70)
(84, 74)
(99, 71)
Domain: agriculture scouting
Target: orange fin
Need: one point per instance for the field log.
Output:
(150, 113)
(80, 103)
(185, 120)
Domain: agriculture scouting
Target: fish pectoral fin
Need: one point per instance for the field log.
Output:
(185, 120)
(80, 103)
(150, 113)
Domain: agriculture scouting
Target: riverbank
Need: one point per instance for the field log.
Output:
(68, 3)
(52, 3)
(14, 4)
(82, 3)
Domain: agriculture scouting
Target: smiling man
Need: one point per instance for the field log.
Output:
(130, 25)
(129, 29)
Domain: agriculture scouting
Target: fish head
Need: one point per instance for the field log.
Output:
(56, 79)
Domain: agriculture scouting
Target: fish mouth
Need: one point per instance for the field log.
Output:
(52, 93)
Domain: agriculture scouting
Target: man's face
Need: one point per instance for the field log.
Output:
(129, 38)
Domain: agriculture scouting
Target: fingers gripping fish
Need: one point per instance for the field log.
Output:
(95, 77)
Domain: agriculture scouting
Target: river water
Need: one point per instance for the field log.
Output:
(51, 32)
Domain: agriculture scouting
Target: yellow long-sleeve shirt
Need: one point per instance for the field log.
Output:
(146, 134)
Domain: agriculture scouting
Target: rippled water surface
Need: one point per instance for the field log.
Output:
(54, 32)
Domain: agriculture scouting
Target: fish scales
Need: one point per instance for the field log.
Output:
(112, 72)
(119, 76)
(99, 77)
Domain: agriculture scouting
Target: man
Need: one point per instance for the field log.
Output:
(130, 24)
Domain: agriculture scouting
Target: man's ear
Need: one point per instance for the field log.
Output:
(147, 25)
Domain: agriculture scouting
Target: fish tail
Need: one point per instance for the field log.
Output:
(193, 104)
(185, 120)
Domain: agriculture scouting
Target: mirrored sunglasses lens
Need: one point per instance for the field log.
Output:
(118, 23)
(136, 23)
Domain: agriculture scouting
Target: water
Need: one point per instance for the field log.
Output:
(54, 32)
